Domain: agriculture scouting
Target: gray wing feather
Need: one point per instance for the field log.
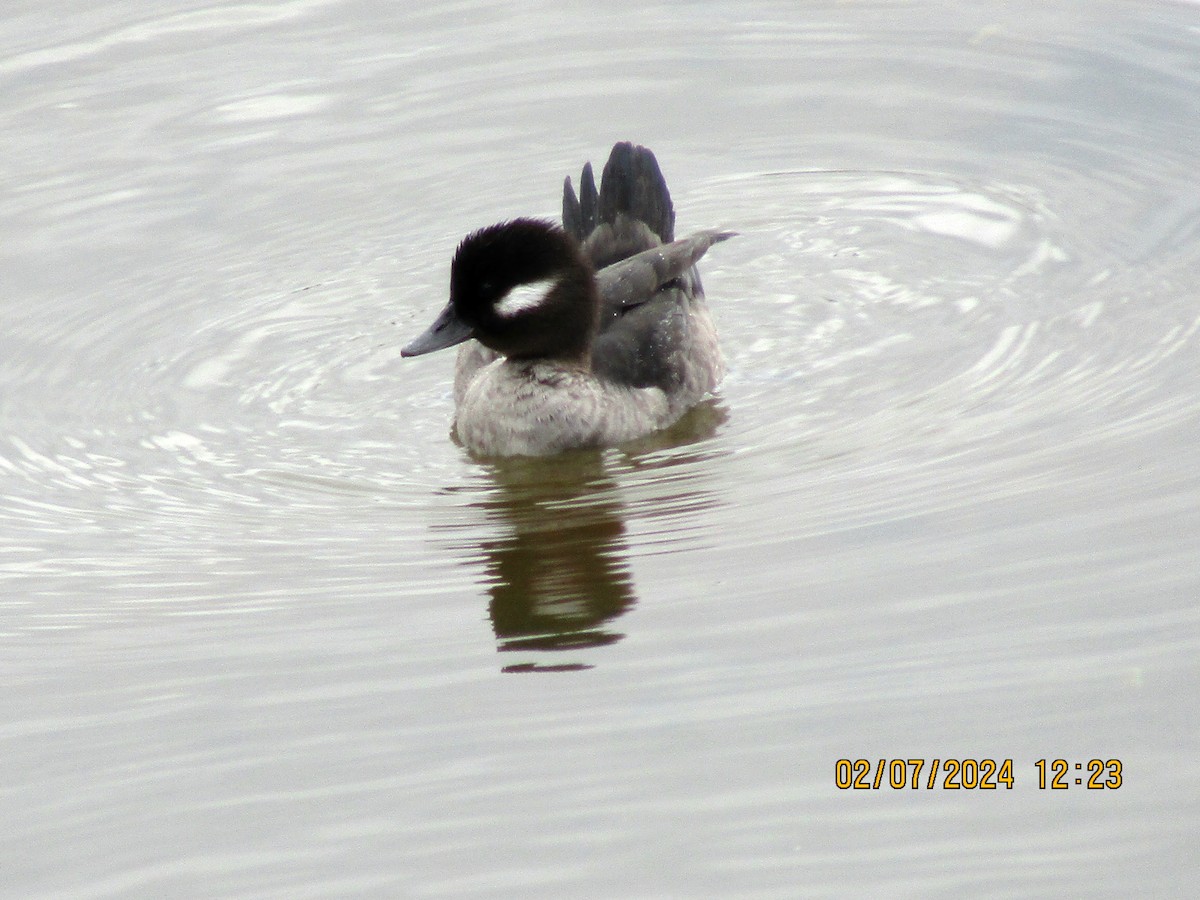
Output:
(635, 280)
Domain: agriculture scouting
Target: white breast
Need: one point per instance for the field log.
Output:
(534, 409)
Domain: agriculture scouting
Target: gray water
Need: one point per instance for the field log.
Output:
(266, 631)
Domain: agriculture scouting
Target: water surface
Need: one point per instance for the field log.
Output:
(268, 631)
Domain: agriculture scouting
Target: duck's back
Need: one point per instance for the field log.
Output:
(663, 336)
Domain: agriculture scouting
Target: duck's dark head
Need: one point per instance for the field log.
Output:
(522, 288)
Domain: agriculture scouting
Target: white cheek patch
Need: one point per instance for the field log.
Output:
(523, 298)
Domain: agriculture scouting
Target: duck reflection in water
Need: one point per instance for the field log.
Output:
(561, 576)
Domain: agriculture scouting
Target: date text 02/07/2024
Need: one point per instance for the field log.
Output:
(973, 774)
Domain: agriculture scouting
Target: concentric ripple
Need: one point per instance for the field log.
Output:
(893, 323)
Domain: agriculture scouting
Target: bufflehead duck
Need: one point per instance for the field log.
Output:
(588, 335)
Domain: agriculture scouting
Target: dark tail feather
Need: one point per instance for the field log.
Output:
(633, 184)
(589, 199)
(572, 214)
(579, 215)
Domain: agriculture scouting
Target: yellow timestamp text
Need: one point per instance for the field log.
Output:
(972, 774)
(1060, 774)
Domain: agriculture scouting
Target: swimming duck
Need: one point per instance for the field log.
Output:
(586, 335)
